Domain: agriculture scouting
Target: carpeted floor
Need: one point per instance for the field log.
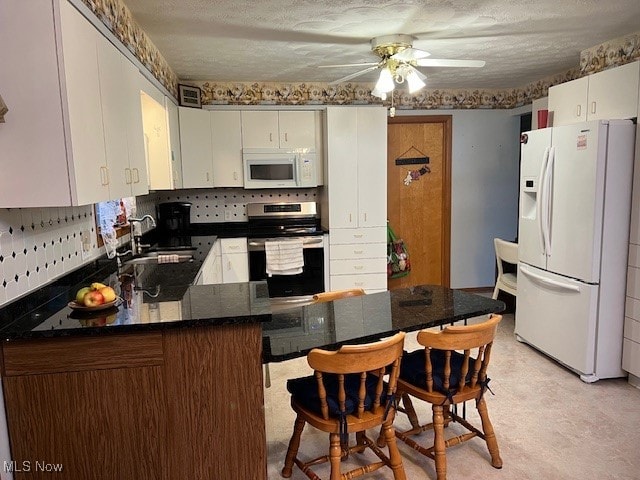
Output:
(549, 424)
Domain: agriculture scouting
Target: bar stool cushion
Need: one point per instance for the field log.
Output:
(412, 369)
(305, 392)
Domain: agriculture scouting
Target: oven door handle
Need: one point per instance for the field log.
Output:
(305, 242)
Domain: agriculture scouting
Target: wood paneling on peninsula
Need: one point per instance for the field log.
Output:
(143, 406)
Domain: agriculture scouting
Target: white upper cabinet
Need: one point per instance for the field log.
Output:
(196, 147)
(279, 129)
(614, 93)
(174, 143)
(227, 149)
(609, 94)
(297, 129)
(356, 155)
(372, 167)
(342, 156)
(161, 145)
(211, 145)
(122, 123)
(83, 148)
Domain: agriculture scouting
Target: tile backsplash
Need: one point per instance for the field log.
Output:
(38, 245)
(230, 204)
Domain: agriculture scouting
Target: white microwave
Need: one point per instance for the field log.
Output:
(279, 168)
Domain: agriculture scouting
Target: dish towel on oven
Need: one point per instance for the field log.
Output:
(284, 257)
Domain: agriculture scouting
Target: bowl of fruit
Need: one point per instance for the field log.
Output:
(96, 296)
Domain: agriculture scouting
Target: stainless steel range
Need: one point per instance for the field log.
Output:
(275, 221)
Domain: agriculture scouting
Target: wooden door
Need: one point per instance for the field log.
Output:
(420, 212)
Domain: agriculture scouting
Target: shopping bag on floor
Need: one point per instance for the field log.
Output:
(398, 264)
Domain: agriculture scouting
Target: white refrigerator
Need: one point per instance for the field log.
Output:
(575, 207)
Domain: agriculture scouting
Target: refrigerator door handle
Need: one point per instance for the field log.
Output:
(550, 282)
(540, 202)
(548, 194)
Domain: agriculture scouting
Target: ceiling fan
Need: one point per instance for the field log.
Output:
(398, 62)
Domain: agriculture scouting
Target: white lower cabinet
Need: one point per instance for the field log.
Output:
(358, 259)
(211, 270)
(227, 262)
(235, 260)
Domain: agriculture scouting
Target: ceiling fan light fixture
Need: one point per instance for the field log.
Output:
(414, 82)
(385, 81)
(377, 93)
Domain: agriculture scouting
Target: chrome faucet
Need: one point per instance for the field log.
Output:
(136, 233)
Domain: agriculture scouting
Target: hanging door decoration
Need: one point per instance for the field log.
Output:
(398, 264)
(422, 159)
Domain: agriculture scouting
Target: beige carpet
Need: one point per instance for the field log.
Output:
(549, 424)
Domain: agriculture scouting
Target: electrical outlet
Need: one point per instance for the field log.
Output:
(227, 215)
(86, 240)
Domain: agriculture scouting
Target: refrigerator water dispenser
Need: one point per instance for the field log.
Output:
(529, 197)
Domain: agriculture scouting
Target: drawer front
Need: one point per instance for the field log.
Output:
(632, 329)
(356, 251)
(370, 282)
(341, 236)
(233, 245)
(76, 354)
(631, 357)
(365, 265)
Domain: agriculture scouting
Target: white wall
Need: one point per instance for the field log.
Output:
(484, 184)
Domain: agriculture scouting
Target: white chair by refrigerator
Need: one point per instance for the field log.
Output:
(506, 252)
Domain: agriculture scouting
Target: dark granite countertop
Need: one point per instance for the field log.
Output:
(294, 331)
(153, 296)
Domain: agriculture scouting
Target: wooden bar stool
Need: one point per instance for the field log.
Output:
(348, 394)
(442, 376)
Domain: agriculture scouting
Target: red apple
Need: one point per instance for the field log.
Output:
(93, 299)
(108, 293)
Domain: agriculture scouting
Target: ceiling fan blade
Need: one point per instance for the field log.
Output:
(366, 64)
(410, 54)
(444, 62)
(354, 75)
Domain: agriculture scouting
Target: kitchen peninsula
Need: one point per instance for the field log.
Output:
(168, 385)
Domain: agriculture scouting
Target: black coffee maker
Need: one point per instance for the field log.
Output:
(174, 217)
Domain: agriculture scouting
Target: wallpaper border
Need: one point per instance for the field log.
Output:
(117, 17)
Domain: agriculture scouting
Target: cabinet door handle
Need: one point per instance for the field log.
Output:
(349, 218)
(358, 267)
(136, 175)
(357, 235)
(104, 177)
(358, 284)
(578, 110)
(229, 265)
(593, 107)
(207, 176)
(271, 137)
(365, 217)
(235, 175)
(358, 252)
(286, 137)
(127, 176)
(233, 247)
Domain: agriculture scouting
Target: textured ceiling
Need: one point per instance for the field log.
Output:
(286, 40)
